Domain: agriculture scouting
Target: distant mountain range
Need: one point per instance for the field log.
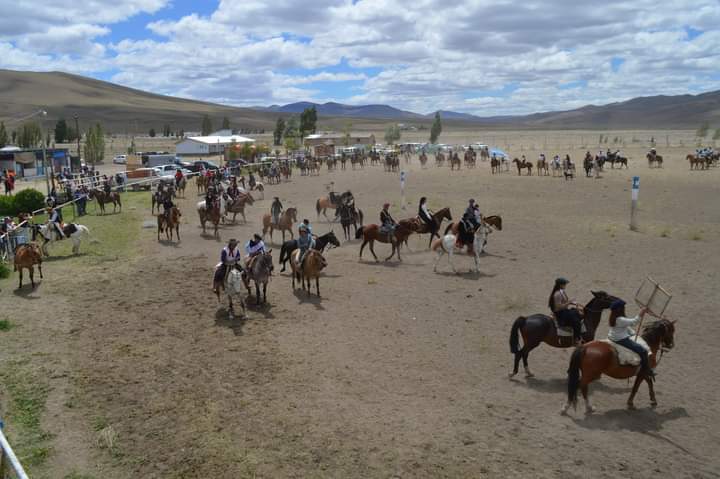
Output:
(122, 109)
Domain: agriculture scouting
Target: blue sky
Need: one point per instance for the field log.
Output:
(423, 55)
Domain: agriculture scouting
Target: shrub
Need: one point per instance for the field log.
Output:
(28, 201)
(4, 271)
(7, 205)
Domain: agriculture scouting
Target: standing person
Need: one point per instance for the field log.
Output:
(565, 310)
(621, 333)
(426, 215)
(276, 210)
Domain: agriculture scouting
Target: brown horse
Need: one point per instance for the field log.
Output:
(285, 223)
(202, 183)
(26, 257)
(654, 158)
(540, 328)
(521, 165)
(543, 168)
(168, 224)
(106, 198)
(494, 165)
(416, 225)
(590, 361)
(238, 205)
(371, 233)
(423, 160)
(313, 264)
(454, 162)
(212, 215)
(697, 163)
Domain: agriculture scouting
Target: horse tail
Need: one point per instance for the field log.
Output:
(85, 231)
(359, 232)
(574, 374)
(449, 227)
(515, 334)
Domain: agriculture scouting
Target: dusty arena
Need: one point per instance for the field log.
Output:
(395, 371)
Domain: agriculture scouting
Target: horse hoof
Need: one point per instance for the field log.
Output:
(528, 374)
(512, 375)
(653, 404)
(589, 410)
(631, 406)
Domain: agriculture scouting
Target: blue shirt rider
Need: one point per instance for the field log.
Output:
(305, 241)
(55, 219)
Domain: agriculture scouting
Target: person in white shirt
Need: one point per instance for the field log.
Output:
(621, 332)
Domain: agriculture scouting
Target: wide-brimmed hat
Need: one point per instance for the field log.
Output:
(617, 304)
(561, 280)
(233, 241)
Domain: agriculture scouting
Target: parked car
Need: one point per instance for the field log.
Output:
(169, 170)
(236, 163)
(184, 164)
(200, 164)
(120, 160)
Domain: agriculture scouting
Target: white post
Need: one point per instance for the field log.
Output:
(6, 453)
(402, 190)
(633, 207)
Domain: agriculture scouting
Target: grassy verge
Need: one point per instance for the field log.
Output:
(26, 393)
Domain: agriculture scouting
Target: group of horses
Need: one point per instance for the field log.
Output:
(698, 162)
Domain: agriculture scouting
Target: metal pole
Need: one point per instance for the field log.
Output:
(11, 458)
(45, 167)
(633, 207)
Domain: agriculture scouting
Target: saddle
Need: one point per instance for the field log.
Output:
(625, 356)
(566, 331)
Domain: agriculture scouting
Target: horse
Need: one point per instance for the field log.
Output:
(103, 198)
(238, 205)
(654, 158)
(201, 181)
(181, 185)
(313, 263)
(439, 159)
(495, 221)
(494, 165)
(214, 215)
(26, 257)
(556, 168)
(454, 161)
(168, 223)
(73, 231)
(233, 287)
(542, 167)
(588, 166)
(423, 160)
(613, 158)
(420, 227)
(285, 223)
(447, 243)
(332, 201)
(590, 361)
(371, 233)
(522, 165)
(350, 216)
(259, 269)
(697, 162)
(539, 328)
(328, 239)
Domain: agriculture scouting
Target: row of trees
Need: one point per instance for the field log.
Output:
(704, 131)
(295, 128)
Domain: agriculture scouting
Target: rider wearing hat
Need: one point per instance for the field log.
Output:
(55, 219)
(473, 212)
(621, 332)
(566, 311)
(276, 210)
(229, 257)
(253, 248)
(305, 241)
(233, 191)
(387, 223)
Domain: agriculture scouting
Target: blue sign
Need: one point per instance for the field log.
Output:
(636, 183)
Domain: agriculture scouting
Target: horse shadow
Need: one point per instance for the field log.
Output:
(52, 259)
(469, 275)
(304, 297)
(222, 320)
(210, 236)
(263, 308)
(559, 386)
(167, 242)
(27, 290)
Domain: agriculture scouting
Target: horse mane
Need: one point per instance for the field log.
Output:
(654, 331)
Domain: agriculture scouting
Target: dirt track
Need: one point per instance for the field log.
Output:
(397, 371)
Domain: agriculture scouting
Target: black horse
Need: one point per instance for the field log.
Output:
(539, 328)
(350, 216)
(320, 243)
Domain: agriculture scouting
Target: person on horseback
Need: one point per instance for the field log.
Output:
(466, 229)
(178, 177)
(253, 248)
(55, 219)
(276, 210)
(566, 311)
(251, 181)
(305, 241)
(426, 215)
(106, 187)
(168, 205)
(233, 191)
(621, 332)
(387, 223)
(473, 213)
(210, 197)
(229, 257)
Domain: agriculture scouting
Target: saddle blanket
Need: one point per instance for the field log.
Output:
(563, 331)
(627, 357)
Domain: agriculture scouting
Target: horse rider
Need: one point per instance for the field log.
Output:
(55, 220)
(306, 222)
(466, 229)
(305, 241)
(565, 310)
(229, 257)
(168, 205)
(473, 213)
(251, 181)
(106, 187)
(387, 223)
(253, 248)
(276, 210)
(233, 191)
(621, 332)
(426, 215)
(178, 177)
(210, 197)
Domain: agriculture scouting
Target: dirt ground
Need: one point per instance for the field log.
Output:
(396, 371)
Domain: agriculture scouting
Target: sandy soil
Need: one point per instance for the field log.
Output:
(396, 371)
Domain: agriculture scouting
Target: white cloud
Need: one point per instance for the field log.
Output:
(430, 54)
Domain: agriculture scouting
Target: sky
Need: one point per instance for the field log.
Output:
(475, 56)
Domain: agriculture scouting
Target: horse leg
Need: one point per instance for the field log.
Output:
(437, 260)
(257, 293)
(76, 245)
(20, 273)
(40, 269)
(450, 254)
(589, 409)
(317, 285)
(651, 388)
(372, 250)
(264, 293)
(638, 379)
(361, 247)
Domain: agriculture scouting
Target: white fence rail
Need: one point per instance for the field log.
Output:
(9, 464)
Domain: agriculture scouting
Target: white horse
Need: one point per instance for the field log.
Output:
(234, 287)
(72, 231)
(447, 245)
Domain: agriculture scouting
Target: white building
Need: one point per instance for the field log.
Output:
(208, 145)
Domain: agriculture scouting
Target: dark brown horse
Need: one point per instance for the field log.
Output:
(590, 361)
(169, 223)
(540, 328)
(26, 257)
(524, 164)
(371, 233)
(106, 198)
(416, 225)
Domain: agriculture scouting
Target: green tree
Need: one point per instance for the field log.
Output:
(167, 131)
(47, 139)
(29, 200)
(308, 121)
(94, 145)
(206, 125)
(703, 130)
(436, 128)
(392, 134)
(61, 131)
(3, 135)
(292, 128)
(14, 137)
(347, 138)
(152, 133)
(226, 123)
(278, 133)
(30, 135)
